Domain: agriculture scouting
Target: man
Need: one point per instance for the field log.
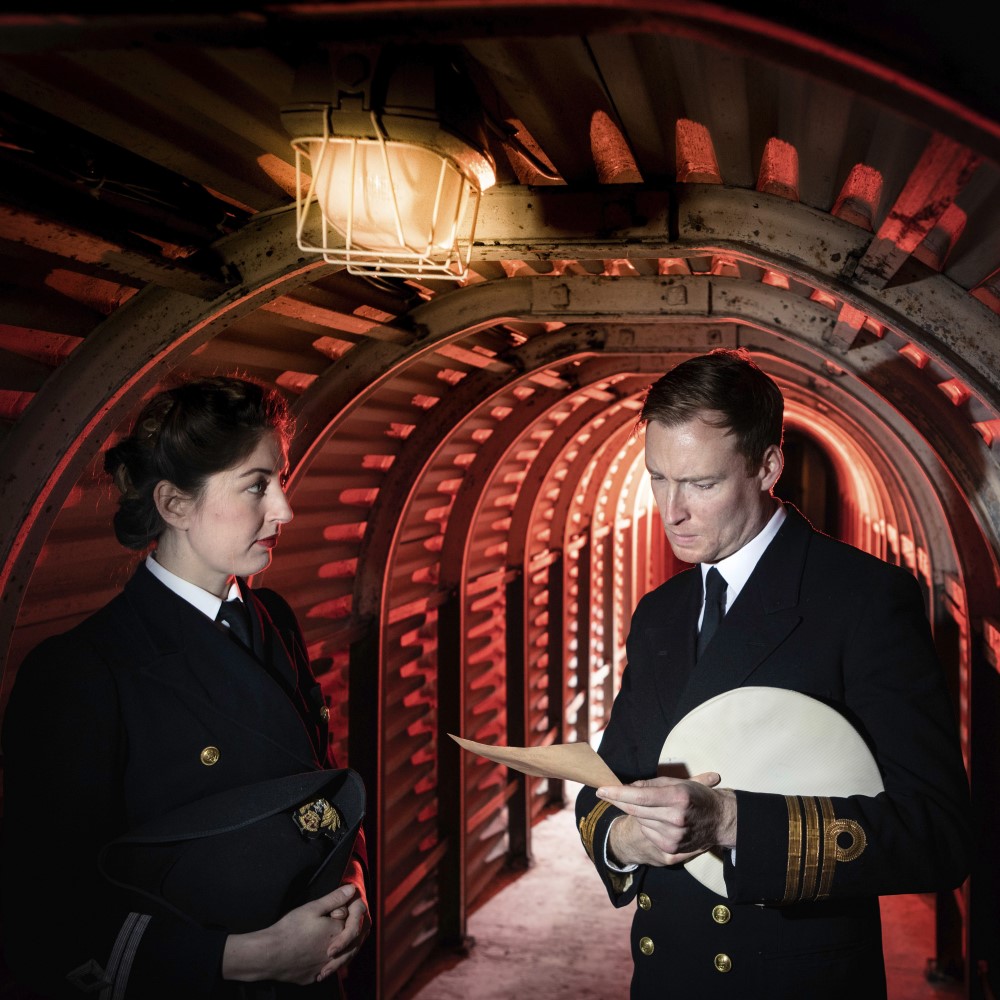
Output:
(798, 611)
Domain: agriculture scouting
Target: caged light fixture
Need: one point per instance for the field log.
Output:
(390, 161)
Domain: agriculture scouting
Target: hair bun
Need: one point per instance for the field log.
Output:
(154, 417)
(123, 481)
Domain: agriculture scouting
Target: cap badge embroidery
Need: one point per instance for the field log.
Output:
(317, 819)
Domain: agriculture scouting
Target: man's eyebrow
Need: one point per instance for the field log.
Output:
(688, 479)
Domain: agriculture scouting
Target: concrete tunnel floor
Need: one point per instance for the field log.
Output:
(552, 934)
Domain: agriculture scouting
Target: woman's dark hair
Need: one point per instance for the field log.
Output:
(184, 435)
(727, 382)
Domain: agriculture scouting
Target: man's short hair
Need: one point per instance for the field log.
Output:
(728, 382)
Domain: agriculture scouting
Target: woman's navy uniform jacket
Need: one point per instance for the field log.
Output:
(144, 707)
(802, 917)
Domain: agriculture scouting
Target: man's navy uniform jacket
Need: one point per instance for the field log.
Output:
(823, 618)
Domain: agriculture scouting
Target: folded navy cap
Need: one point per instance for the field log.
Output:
(240, 859)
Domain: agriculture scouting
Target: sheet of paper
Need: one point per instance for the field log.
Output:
(569, 761)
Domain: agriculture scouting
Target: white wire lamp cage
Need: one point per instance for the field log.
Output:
(391, 165)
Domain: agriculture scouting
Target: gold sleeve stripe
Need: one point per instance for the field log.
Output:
(589, 824)
(829, 849)
(816, 847)
(620, 883)
(813, 841)
(794, 869)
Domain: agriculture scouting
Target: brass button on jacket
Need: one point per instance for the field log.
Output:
(646, 945)
(721, 914)
(644, 901)
(324, 714)
(210, 756)
(723, 963)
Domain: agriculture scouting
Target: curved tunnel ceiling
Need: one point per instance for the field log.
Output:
(497, 355)
(875, 309)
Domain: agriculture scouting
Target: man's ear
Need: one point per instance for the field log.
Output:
(770, 468)
(173, 504)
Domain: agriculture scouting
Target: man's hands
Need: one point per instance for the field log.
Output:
(670, 820)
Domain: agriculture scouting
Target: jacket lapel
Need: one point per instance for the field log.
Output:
(268, 645)
(214, 675)
(761, 618)
(672, 643)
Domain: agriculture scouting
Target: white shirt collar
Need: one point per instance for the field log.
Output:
(205, 602)
(736, 568)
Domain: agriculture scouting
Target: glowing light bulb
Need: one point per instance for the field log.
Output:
(389, 197)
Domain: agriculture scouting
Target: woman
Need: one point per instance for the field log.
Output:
(153, 707)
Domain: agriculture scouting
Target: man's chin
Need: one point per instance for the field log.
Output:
(685, 553)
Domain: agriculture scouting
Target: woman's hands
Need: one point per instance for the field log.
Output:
(306, 945)
(356, 927)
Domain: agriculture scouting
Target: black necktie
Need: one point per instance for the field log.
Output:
(233, 614)
(715, 607)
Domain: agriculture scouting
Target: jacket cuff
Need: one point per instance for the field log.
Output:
(593, 826)
(789, 847)
(155, 971)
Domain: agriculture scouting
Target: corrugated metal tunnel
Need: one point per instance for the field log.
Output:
(473, 520)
